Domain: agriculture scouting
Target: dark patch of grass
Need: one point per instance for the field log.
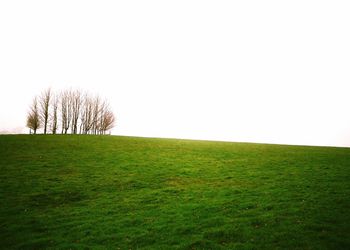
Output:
(137, 193)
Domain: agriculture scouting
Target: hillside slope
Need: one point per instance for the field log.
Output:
(125, 192)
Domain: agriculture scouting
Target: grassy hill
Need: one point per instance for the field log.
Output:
(138, 193)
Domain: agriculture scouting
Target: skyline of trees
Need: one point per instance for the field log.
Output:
(70, 111)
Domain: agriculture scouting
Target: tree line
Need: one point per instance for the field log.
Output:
(69, 111)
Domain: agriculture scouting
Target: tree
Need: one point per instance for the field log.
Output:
(95, 114)
(76, 102)
(106, 118)
(44, 101)
(66, 110)
(54, 116)
(86, 115)
(33, 117)
(107, 122)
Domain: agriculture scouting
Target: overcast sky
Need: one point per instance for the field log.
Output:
(257, 71)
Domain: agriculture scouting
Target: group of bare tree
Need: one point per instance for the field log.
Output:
(70, 111)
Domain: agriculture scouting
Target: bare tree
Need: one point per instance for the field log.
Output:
(76, 102)
(102, 109)
(54, 116)
(107, 122)
(86, 117)
(106, 118)
(44, 102)
(63, 111)
(33, 117)
(66, 110)
(96, 114)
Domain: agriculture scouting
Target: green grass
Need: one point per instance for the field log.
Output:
(136, 193)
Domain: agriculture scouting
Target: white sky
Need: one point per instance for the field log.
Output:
(258, 71)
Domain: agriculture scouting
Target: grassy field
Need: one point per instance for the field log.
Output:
(136, 193)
